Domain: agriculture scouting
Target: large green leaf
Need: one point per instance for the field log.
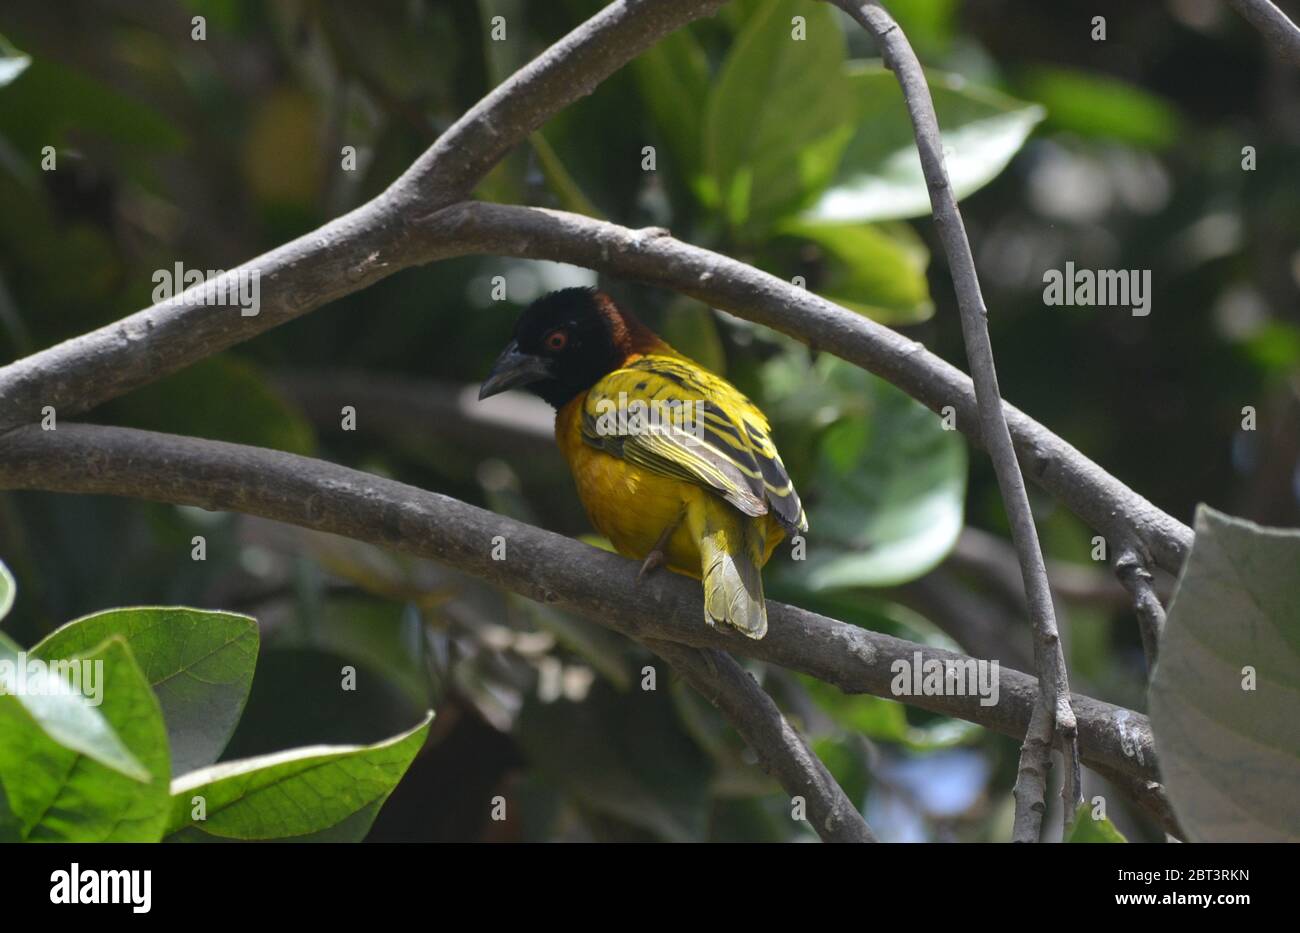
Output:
(886, 484)
(1104, 107)
(64, 718)
(876, 270)
(59, 794)
(674, 80)
(200, 664)
(880, 175)
(297, 793)
(1229, 748)
(778, 116)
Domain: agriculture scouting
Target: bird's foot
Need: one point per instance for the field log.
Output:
(653, 561)
(657, 558)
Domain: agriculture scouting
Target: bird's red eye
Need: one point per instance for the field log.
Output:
(556, 340)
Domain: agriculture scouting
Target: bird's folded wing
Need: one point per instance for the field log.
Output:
(667, 415)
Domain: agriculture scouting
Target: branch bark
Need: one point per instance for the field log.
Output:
(1282, 34)
(1131, 568)
(654, 257)
(1049, 657)
(549, 568)
(781, 750)
(351, 252)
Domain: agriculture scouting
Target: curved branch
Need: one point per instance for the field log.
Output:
(351, 252)
(547, 567)
(783, 752)
(654, 257)
(1049, 657)
(1282, 34)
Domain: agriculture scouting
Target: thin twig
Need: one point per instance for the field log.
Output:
(1282, 34)
(1049, 656)
(1030, 790)
(550, 568)
(1132, 571)
(781, 750)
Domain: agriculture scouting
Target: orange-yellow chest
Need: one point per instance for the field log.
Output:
(626, 503)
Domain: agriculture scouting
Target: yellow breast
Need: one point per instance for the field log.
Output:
(631, 505)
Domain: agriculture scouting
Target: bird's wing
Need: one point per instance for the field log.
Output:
(666, 414)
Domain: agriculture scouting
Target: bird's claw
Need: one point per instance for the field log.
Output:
(653, 561)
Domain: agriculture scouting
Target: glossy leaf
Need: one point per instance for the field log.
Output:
(876, 270)
(200, 664)
(296, 793)
(66, 718)
(880, 177)
(886, 485)
(778, 116)
(1104, 107)
(59, 794)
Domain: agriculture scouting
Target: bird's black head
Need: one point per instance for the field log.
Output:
(564, 343)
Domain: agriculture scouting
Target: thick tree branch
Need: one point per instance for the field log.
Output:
(654, 257)
(352, 252)
(782, 751)
(540, 565)
(1282, 34)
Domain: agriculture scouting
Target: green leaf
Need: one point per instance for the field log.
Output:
(296, 793)
(66, 718)
(223, 399)
(691, 329)
(778, 116)
(1086, 829)
(886, 720)
(673, 77)
(8, 590)
(880, 175)
(58, 794)
(889, 482)
(1225, 691)
(1105, 107)
(200, 663)
(12, 62)
(876, 270)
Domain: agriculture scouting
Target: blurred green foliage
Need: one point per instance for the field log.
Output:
(792, 155)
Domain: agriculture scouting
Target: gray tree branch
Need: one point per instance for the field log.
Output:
(549, 568)
(654, 257)
(1049, 657)
(1282, 34)
(781, 750)
(351, 252)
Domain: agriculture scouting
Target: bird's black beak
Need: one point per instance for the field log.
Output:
(513, 369)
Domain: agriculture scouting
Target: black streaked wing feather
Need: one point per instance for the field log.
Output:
(729, 451)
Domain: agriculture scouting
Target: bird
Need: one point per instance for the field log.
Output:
(672, 463)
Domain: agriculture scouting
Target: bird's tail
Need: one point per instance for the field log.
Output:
(732, 553)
